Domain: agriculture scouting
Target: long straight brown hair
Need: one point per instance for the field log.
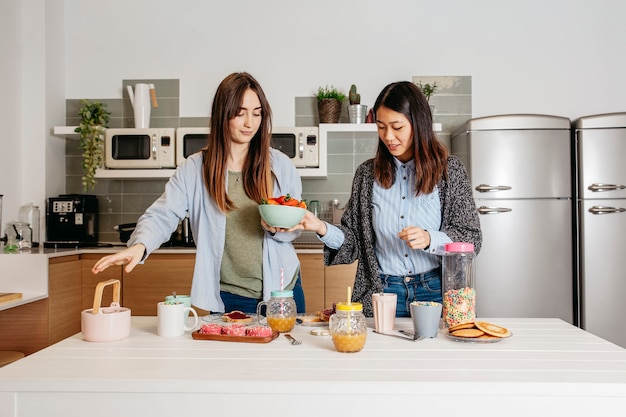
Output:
(256, 174)
(430, 155)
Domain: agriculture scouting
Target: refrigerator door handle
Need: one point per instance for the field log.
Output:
(487, 188)
(597, 187)
(606, 210)
(493, 210)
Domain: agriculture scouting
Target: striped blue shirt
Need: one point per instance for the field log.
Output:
(393, 210)
(396, 208)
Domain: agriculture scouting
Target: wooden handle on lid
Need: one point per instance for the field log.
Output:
(97, 299)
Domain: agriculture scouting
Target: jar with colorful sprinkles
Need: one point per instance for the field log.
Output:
(458, 283)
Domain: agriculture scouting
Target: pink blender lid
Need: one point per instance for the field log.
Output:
(459, 247)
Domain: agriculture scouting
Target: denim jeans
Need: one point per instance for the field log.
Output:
(420, 287)
(248, 305)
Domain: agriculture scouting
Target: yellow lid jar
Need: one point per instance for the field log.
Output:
(348, 328)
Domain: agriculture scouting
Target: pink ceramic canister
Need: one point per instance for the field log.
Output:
(106, 324)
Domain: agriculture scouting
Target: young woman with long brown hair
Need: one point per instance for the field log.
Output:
(239, 258)
(406, 203)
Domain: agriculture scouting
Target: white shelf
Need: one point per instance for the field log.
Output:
(361, 127)
(348, 127)
(65, 131)
(134, 173)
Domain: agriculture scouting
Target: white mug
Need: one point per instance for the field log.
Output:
(172, 319)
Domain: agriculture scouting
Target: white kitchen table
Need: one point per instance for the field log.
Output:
(548, 367)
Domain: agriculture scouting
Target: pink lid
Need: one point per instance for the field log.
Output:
(459, 247)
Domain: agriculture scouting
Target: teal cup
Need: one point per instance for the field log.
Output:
(179, 299)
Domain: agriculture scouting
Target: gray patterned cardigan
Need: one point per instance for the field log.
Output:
(459, 221)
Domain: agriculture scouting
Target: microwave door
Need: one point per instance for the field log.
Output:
(130, 147)
(194, 142)
(285, 142)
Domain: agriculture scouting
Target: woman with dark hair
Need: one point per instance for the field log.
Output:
(239, 258)
(406, 203)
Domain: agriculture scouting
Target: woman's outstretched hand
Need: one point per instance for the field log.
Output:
(129, 257)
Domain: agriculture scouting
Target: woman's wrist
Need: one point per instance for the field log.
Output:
(323, 229)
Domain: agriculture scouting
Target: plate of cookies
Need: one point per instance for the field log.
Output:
(477, 332)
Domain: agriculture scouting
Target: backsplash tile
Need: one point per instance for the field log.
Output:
(123, 201)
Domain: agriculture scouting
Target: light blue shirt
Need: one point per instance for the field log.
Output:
(185, 194)
(393, 210)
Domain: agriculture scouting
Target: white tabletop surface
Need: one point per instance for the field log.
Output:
(548, 367)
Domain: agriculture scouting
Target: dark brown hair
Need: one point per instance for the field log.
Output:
(256, 174)
(431, 156)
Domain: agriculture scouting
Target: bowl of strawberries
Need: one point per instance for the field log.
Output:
(284, 212)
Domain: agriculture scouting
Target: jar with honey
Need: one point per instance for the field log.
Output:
(280, 311)
(348, 328)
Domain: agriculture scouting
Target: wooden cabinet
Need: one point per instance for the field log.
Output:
(338, 278)
(159, 276)
(64, 297)
(324, 285)
(312, 271)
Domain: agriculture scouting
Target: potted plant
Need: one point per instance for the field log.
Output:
(356, 111)
(329, 101)
(94, 121)
(428, 90)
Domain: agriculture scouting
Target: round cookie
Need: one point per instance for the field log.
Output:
(467, 333)
(492, 329)
(467, 325)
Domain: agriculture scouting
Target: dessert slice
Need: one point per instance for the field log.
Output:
(237, 316)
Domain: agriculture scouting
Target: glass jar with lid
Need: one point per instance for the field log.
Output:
(458, 282)
(348, 328)
(280, 311)
(19, 235)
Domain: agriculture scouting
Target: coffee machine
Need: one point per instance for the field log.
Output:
(72, 221)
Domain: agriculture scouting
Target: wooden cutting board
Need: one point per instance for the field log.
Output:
(8, 296)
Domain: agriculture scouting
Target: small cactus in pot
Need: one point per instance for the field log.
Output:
(357, 112)
(353, 96)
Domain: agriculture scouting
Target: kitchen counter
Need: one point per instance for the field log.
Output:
(26, 272)
(548, 367)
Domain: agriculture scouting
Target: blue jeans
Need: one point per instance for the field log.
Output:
(248, 305)
(420, 287)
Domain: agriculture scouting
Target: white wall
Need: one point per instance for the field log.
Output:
(32, 100)
(558, 57)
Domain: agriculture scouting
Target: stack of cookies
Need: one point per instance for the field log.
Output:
(478, 330)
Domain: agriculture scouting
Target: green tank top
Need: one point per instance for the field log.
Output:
(241, 272)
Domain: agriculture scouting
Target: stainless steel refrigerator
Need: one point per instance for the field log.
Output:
(520, 167)
(601, 161)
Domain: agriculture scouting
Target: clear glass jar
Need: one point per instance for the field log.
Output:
(280, 311)
(29, 213)
(458, 283)
(18, 237)
(348, 328)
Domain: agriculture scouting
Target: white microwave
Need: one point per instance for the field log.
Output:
(300, 144)
(190, 140)
(139, 148)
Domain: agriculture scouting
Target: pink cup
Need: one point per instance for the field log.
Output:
(384, 305)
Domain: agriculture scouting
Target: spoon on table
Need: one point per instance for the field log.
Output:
(413, 335)
(393, 335)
